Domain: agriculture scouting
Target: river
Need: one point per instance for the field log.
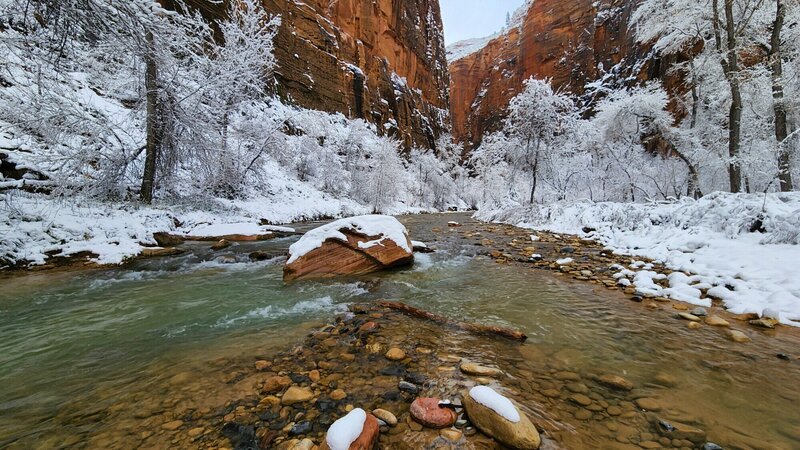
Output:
(89, 358)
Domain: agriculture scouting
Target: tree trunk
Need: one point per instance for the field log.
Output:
(535, 174)
(151, 147)
(781, 128)
(730, 66)
(735, 122)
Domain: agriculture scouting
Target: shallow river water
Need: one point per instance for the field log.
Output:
(88, 358)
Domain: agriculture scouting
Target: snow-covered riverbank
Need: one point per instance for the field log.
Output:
(35, 226)
(744, 248)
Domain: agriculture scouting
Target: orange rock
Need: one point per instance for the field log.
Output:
(338, 258)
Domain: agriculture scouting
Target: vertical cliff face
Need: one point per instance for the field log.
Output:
(380, 60)
(572, 42)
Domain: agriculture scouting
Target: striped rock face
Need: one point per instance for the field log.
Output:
(337, 258)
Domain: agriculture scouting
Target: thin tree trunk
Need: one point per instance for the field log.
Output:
(781, 128)
(151, 148)
(535, 174)
(735, 125)
(730, 65)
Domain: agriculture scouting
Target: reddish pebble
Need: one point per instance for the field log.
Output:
(426, 411)
(368, 327)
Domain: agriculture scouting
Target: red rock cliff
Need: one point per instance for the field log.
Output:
(380, 60)
(573, 42)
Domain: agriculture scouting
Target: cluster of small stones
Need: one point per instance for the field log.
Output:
(382, 361)
(593, 263)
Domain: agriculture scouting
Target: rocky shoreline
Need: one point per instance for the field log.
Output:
(586, 260)
(370, 359)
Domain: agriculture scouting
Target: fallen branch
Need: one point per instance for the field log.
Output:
(471, 327)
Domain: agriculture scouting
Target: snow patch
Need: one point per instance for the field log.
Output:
(346, 430)
(489, 398)
(379, 226)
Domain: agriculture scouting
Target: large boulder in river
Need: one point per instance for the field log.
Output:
(355, 431)
(353, 246)
(497, 417)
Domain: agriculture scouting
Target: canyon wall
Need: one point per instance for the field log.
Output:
(571, 42)
(380, 60)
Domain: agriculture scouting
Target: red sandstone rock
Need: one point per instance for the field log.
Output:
(367, 439)
(571, 42)
(426, 411)
(320, 42)
(338, 258)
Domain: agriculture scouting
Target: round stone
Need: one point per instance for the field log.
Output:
(426, 411)
(395, 354)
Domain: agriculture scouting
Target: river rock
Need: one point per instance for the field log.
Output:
(155, 252)
(276, 384)
(172, 426)
(738, 336)
(346, 250)
(716, 321)
(221, 244)
(167, 240)
(678, 430)
(395, 354)
(385, 416)
(687, 316)
(366, 440)
(648, 404)
(426, 411)
(615, 382)
(581, 399)
(296, 394)
(480, 371)
(764, 322)
(521, 435)
(451, 434)
(411, 388)
(338, 394)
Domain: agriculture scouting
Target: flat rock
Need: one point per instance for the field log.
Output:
(172, 426)
(716, 321)
(479, 371)
(615, 382)
(764, 322)
(427, 412)
(648, 404)
(738, 336)
(521, 435)
(296, 394)
(385, 416)
(276, 384)
(687, 316)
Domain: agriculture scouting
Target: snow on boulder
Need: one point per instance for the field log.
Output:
(497, 417)
(355, 431)
(352, 246)
(240, 231)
